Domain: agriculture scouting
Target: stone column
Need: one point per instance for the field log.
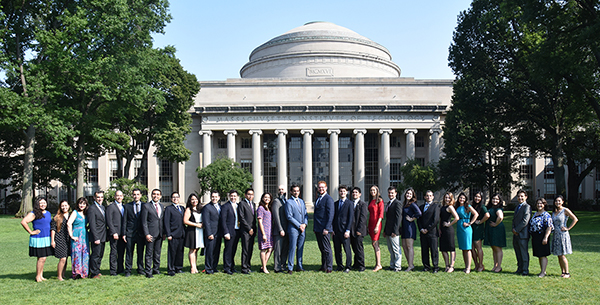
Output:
(385, 157)
(334, 162)
(282, 164)
(359, 160)
(410, 143)
(231, 133)
(206, 155)
(308, 183)
(257, 162)
(434, 144)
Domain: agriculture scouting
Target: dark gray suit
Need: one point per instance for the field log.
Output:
(520, 224)
(114, 219)
(152, 224)
(280, 243)
(342, 223)
(132, 230)
(429, 221)
(97, 225)
(359, 225)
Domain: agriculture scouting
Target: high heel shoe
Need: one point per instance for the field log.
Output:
(498, 270)
(467, 270)
(450, 269)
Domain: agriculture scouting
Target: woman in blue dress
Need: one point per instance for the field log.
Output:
(410, 213)
(39, 238)
(495, 233)
(80, 253)
(464, 233)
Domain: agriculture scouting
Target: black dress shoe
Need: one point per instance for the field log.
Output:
(290, 272)
(277, 271)
(328, 271)
(150, 276)
(361, 270)
(300, 270)
(127, 274)
(425, 270)
(179, 271)
(229, 272)
(155, 272)
(322, 269)
(171, 274)
(339, 269)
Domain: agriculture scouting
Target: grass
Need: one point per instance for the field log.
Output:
(17, 273)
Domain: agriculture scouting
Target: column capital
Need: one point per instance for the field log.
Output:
(255, 131)
(205, 132)
(309, 131)
(362, 131)
(230, 131)
(336, 131)
(283, 131)
(407, 131)
(435, 130)
(388, 131)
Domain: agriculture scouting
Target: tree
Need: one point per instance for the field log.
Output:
(126, 186)
(420, 178)
(223, 175)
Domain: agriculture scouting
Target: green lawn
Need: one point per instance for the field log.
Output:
(17, 273)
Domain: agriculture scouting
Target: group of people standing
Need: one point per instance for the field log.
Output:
(280, 225)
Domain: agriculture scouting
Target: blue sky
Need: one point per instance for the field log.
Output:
(214, 38)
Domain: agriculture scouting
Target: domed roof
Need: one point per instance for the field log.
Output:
(320, 49)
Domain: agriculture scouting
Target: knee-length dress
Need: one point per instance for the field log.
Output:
(494, 236)
(409, 228)
(537, 229)
(62, 240)
(561, 241)
(194, 236)
(265, 215)
(375, 213)
(464, 234)
(479, 229)
(39, 244)
(80, 254)
(446, 233)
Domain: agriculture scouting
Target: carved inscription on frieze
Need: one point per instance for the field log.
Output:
(319, 71)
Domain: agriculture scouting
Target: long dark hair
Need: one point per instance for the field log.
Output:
(87, 205)
(189, 205)
(500, 203)
(457, 202)
(36, 207)
(377, 196)
(60, 217)
(413, 199)
(478, 206)
(262, 202)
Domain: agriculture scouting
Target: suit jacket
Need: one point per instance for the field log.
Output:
(152, 223)
(173, 222)
(227, 219)
(246, 216)
(393, 218)
(361, 216)
(278, 216)
(324, 213)
(210, 221)
(521, 220)
(97, 223)
(114, 219)
(343, 217)
(296, 215)
(131, 226)
(429, 219)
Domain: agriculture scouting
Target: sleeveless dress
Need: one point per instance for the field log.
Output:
(62, 240)
(375, 213)
(39, 244)
(80, 254)
(537, 229)
(494, 236)
(194, 236)
(561, 241)
(446, 233)
(464, 234)
(409, 229)
(479, 229)
(265, 215)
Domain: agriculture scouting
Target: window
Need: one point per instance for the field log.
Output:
(597, 183)
(372, 161)
(165, 180)
(295, 162)
(549, 183)
(395, 173)
(221, 143)
(320, 161)
(421, 161)
(141, 173)
(114, 169)
(526, 168)
(246, 164)
(346, 159)
(246, 142)
(91, 175)
(141, 145)
(395, 141)
(419, 141)
(270, 164)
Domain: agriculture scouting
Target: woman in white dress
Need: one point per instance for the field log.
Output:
(193, 233)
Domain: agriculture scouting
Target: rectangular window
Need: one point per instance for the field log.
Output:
(395, 173)
(395, 141)
(91, 175)
(221, 142)
(549, 183)
(141, 145)
(372, 161)
(270, 164)
(320, 154)
(526, 168)
(165, 180)
(419, 141)
(421, 161)
(246, 164)
(346, 153)
(141, 174)
(114, 169)
(295, 161)
(246, 142)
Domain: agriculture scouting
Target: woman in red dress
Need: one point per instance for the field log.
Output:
(375, 218)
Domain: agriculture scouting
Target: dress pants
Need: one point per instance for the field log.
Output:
(211, 254)
(429, 243)
(359, 252)
(153, 255)
(324, 242)
(296, 245)
(228, 252)
(175, 255)
(97, 252)
(393, 244)
(280, 252)
(521, 246)
(247, 247)
(131, 244)
(117, 253)
(338, 242)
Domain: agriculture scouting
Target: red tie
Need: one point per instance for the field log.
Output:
(156, 206)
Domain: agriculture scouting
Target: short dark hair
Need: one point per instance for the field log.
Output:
(392, 188)
(232, 191)
(136, 189)
(96, 193)
(156, 190)
(215, 192)
(521, 191)
(343, 186)
(356, 188)
(543, 201)
(293, 186)
(248, 190)
(174, 193)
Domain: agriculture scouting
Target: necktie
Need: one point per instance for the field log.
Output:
(100, 208)
(156, 207)
(388, 205)
(137, 209)
(121, 208)
(297, 202)
(426, 207)
(218, 208)
(318, 200)
(340, 204)
(180, 210)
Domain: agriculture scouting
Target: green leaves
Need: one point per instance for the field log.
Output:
(223, 175)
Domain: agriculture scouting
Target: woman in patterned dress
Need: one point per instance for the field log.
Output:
(265, 239)
(540, 227)
(80, 254)
(39, 237)
(61, 242)
(194, 236)
(561, 241)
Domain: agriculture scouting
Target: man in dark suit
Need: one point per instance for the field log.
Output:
(247, 218)
(342, 227)
(114, 219)
(132, 233)
(175, 232)
(228, 225)
(393, 219)
(279, 227)
(96, 217)
(428, 226)
(323, 217)
(295, 210)
(359, 229)
(520, 231)
(152, 225)
(212, 233)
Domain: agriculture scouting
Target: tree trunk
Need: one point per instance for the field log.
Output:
(80, 168)
(559, 171)
(27, 198)
(119, 154)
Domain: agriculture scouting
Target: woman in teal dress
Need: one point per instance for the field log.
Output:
(495, 233)
(464, 233)
(79, 247)
(39, 238)
(479, 231)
